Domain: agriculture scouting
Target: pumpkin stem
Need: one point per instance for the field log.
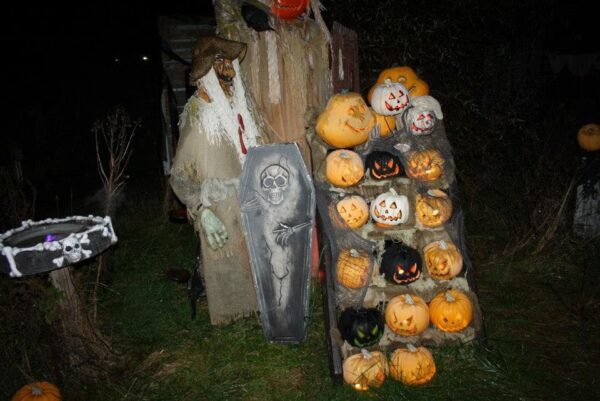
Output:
(449, 296)
(443, 245)
(36, 390)
(387, 81)
(393, 191)
(408, 299)
(366, 354)
(354, 253)
(411, 348)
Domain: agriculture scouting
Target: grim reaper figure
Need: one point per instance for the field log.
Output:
(217, 127)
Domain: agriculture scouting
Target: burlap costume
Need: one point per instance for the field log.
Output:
(214, 130)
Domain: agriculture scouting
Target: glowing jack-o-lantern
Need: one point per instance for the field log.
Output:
(361, 327)
(346, 121)
(451, 310)
(588, 137)
(344, 168)
(352, 268)
(390, 98)
(383, 165)
(354, 210)
(425, 165)
(412, 366)
(443, 260)
(389, 209)
(422, 115)
(365, 370)
(400, 264)
(433, 208)
(289, 9)
(407, 315)
(404, 75)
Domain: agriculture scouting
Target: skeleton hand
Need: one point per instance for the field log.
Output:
(253, 203)
(214, 229)
(282, 235)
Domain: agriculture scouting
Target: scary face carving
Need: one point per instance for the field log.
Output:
(400, 263)
(225, 73)
(383, 165)
(407, 315)
(274, 180)
(433, 208)
(423, 114)
(407, 77)
(390, 98)
(425, 165)
(389, 209)
(443, 260)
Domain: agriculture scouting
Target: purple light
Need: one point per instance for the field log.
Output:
(50, 238)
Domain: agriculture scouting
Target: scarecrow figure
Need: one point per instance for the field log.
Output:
(217, 126)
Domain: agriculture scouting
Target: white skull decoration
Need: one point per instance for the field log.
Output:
(423, 114)
(274, 180)
(71, 248)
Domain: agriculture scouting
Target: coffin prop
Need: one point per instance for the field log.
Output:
(42, 246)
(277, 203)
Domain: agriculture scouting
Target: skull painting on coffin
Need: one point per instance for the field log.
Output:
(400, 263)
(274, 181)
(383, 165)
(389, 209)
(422, 116)
(390, 98)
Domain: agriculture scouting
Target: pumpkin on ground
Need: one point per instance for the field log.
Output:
(389, 209)
(346, 121)
(588, 137)
(389, 98)
(352, 268)
(38, 391)
(404, 75)
(425, 165)
(451, 310)
(365, 370)
(354, 210)
(400, 264)
(412, 366)
(443, 260)
(407, 315)
(344, 168)
(361, 327)
(433, 208)
(383, 165)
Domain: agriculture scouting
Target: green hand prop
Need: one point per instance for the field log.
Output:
(215, 231)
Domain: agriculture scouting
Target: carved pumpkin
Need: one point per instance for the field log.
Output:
(588, 137)
(354, 210)
(344, 168)
(407, 315)
(422, 115)
(352, 268)
(389, 209)
(383, 165)
(425, 165)
(451, 311)
(400, 264)
(433, 208)
(365, 370)
(443, 260)
(412, 366)
(289, 9)
(390, 98)
(38, 391)
(386, 124)
(404, 75)
(361, 327)
(346, 121)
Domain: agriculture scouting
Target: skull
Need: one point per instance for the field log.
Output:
(274, 181)
(72, 249)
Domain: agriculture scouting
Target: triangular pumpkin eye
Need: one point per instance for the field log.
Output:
(377, 165)
(421, 116)
(382, 203)
(360, 334)
(413, 268)
(343, 209)
(375, 330)
(391, 96)
(353, 207)
(390, 163)
(393, 205)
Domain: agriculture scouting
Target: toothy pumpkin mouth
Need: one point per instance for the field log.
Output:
(397, 107)
(388, 218)
(393, 173)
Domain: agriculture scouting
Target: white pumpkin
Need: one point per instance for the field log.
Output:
(389, 209)
(422, 115)
(390, 98)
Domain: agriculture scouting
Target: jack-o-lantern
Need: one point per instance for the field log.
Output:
(389, 209)
(383, 165)
(422, 115)
(407, 315)
(404, 75)
(352, 268)
(386, 124)
(412, 366)
(425, 165)
(390, 98)
(354, 210)
(433, 208)
(346, 121)
(365, 370)
(344, 168)
(361, 327)
(289, 9)
(451, 310)
(443, 260)
(400, 264)
(588, 137)
(40, 391)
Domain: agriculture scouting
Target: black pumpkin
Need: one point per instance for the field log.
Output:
(361, 327)
(384, 165)
(400, 264)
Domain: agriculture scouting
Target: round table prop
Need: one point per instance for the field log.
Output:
(42, 246)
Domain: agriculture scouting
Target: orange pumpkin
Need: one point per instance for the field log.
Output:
(407, 315)
(346, 121)
(38, 391)
(365, 370)
(354, 210)
(412, 366)
(404, 75)
(588, 137)
(451, 311)
(386, 124)
(433, 208)
(344, 168)
(289, 9)
(425, 165)
(443, 260)
(352, 268)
